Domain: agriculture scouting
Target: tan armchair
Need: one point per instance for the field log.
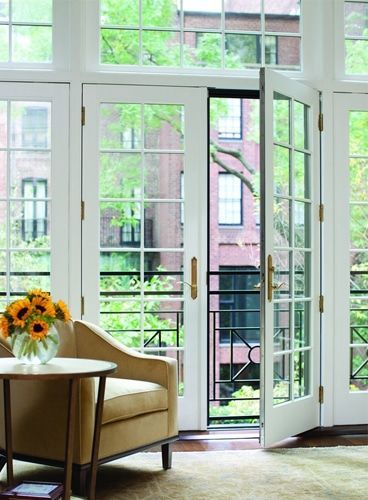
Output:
(140, 407)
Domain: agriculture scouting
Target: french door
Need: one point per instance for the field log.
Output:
(144, 158)
(290, 272)
(351, 259)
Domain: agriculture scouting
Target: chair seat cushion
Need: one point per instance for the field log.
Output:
(125, 398)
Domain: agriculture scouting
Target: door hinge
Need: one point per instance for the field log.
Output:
(82, 305)
(320, 122)
(321, 212)
(82, 210)
(83, 115)
(321, 395)
(321, 304)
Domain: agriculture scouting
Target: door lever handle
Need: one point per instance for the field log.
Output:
(193, 276)
(270, 271)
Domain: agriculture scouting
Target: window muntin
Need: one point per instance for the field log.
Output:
(229, 199)
(26, 31)
(201, 34)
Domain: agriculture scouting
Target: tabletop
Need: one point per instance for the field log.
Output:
(57, 368)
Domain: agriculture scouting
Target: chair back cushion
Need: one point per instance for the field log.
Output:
(68, 347)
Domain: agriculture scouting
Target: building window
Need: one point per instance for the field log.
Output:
(230, 123)
(239, 304)
(229, 199)
(130, 232)
(34, 223)
(194, 34)
(35, 127)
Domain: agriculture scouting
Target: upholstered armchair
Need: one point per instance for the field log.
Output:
(140, 406)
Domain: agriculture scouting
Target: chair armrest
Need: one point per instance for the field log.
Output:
(95, 343)
(5, 351)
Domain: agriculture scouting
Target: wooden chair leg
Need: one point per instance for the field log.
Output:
(166, 456)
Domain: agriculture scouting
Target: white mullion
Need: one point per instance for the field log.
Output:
(10, 34)
(263, 30)
(142, 222)
(292, 241)
(140, 31)
(223, 39)
(8, 252)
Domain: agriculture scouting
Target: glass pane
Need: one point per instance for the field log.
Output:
(122, 318)
(358, 124)
(281, 222)
(161, 48)
(301, 324)
(3, 176)
(281, 118)
(3, 224)
(302, 224)
(120, 126)
(241, 50)
(163, 126)
(119, 274)
(162, 226)
(120, 224)
(359, 321)
(29, 269)
(359, 272)
(119, 13)
(119, 46)
(4, 10)
(288, 51)
(281, 275)
(163, 323)
(30, 224)
(163, 275)
(160, 14)
(301, 125)
(281, 173)
(32, 11)
(281, 333)
(164, 176)
(302, 175)
(359, 368)
(356, 57)
(358, 170)
(302, 269)
(281, 379)
(3, 123)
(120, 175)
(301, 386)
(30, 125)
(358, 226)
(32, 44)
(30, 167)
(356, 18)
(282, 16)
(243, 15)
(202, 14)
(4, 43)
(202, 50)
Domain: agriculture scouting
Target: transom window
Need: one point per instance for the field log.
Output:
(356, 37)
(230, 199)
(26, 31)
(201, 33)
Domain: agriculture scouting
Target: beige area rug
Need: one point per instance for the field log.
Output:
(298, 473)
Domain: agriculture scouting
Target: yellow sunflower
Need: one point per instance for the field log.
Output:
(62, 308)
(19, 311)
(38, 329)
(36, 292)
(4, 326)
(43, 306)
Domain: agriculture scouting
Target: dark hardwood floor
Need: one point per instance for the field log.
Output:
(248, 440)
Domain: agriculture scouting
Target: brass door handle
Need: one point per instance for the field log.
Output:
(193, 277)
(270, 271)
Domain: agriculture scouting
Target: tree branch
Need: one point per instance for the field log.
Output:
(232, 171)
(236, 154)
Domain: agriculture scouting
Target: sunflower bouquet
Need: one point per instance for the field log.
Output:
(28, 324)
